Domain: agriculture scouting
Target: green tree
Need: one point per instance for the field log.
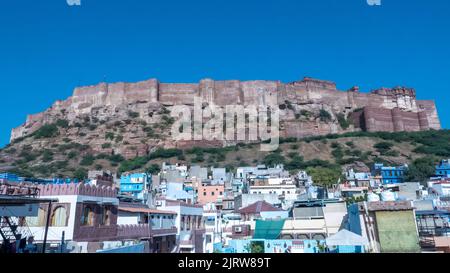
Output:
(257, 247)
(47, 156)
(109, 135)
(47, 131)
(274, 159)
(63, 123)
(80, 174)
(421, 169)
(87, 160)
(132, 114)
(325, 176)
(343, 121)
(154, 169)
(324, 115)
(383, 147)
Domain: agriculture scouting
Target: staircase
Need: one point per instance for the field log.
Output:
(11, 231)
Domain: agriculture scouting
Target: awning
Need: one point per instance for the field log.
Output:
(346, 238)
(269, 230)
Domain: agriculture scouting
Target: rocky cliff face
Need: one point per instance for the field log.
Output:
(300, 102)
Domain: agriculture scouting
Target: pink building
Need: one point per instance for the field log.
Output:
(210, 194)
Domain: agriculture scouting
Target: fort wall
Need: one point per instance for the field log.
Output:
(385, 109)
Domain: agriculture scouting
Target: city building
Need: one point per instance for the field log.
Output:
(390, 226)
(189, 223)
(390, 175)
(136, 184)
(17, 202)
(207, 193)
(443, 169)
(315, 219)
(82, 220)
(213, 227)
(163, 229)
(434, 230)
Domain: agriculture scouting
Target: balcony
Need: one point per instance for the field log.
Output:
(134, 232)
(164, 232)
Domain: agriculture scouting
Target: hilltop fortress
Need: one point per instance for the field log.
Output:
(300, 102)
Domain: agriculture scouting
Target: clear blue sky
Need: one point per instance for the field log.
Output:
(47, 47)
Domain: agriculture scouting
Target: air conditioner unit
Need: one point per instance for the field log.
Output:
(238, 229)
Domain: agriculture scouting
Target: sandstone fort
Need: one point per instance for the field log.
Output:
(300, 102)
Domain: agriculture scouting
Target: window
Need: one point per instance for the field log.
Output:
(204, 194)
(183, 223)
(38, 221)
(212, 193)
(106, 216)
(87, 219)
(220, 193)
(59, 217)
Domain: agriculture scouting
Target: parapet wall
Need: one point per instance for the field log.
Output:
(76, 189)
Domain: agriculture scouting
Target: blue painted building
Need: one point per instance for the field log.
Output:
(135, 184)
(443, 169)
(390, 175)
(11, 177)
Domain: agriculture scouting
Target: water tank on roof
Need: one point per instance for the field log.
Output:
(373, 197)
(387, 196)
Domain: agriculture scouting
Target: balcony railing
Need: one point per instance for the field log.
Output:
(134, 231)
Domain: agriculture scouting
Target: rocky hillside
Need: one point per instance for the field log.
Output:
(127, 126)
(63, 150)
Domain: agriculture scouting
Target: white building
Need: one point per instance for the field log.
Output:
(213, 227)
(189, 223)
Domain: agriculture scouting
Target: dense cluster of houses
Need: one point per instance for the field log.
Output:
(259, 209)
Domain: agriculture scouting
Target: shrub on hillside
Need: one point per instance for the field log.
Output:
(47, 131)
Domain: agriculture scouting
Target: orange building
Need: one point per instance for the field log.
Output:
(209, 193)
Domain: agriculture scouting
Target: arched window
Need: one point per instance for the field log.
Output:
(87, 219)
(59, 217)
